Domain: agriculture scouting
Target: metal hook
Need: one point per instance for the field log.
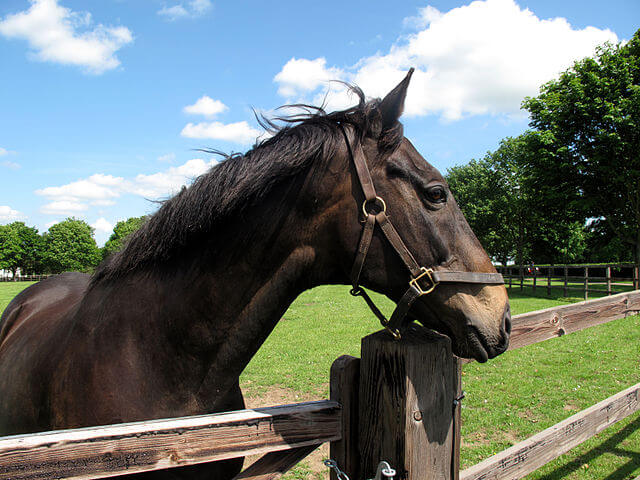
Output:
(384, 469)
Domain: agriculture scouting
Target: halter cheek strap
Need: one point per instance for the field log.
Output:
(423, 280)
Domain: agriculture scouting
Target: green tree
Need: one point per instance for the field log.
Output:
(121, 231)
(515, 212)
(70, 246)
(20, 248)
(592, 115)
(485, 200)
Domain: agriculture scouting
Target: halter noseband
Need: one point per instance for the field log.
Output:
(423, 280)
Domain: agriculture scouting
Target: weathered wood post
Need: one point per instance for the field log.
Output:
(566, 279)
(549, 272)
(521, 278)
(344, 389)
(608, 276)
(535, 277)
(407, 412)
(586, 283)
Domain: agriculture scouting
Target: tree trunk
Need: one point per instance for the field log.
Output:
(520, 243)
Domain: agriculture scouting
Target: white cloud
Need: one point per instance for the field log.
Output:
(59, 35)
(239, 132)
(168, 158)
(102, 225)
(206, 106)
(104, 190)
(300, 76)
(192, 9)
(10, 165)
(98, 189)
(482, 58)
(8, 214)
(63, 207)
(170, 181)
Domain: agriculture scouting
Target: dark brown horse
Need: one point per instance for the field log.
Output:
(165, 327)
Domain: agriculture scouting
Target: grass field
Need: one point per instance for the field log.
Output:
(574, 288)
(507, 399)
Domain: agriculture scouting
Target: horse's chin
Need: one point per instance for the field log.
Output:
(470, 347)
(467, 344)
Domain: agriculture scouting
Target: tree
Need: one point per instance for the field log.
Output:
(604, 246)
(121, 232)
(515, 212)
(20, 248)
(70, 246)
(485, 200)
(592, 115)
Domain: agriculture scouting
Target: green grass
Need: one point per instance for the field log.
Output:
(8, 290)
(507, 399)
(575, 290)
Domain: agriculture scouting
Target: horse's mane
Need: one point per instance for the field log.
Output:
(241, 181)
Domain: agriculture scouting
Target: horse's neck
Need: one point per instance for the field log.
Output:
(215, 317)
(246, 325)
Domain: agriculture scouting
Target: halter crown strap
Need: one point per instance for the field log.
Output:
(423, 280)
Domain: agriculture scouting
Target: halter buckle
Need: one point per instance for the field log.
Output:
(426, 272)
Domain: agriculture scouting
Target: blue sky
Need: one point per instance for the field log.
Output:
(102, 103)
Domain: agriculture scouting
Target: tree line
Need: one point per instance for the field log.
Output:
(67, 246)
(568, 189)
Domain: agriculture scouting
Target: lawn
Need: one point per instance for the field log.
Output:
(507, 399)
(8, 290)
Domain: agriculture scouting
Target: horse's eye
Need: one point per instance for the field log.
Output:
(437, 194)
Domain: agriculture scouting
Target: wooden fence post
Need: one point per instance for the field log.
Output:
(586, 283)
(510, 270)
(566, 279)
(535, 276)
(344, 385)
(636, 280)
(608, 275)
(521, 278)
(407, 393)
(549, 271)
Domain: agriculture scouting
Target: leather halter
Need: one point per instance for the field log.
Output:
(423, 280)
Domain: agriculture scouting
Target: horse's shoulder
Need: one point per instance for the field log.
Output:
(52, 296)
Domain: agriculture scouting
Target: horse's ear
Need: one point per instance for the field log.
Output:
(392, 105)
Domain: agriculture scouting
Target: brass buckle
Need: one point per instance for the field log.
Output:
(426, 272)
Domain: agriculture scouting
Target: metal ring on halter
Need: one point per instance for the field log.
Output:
(377, 199)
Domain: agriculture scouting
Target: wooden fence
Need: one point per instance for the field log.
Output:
(399, 403)
(604, 279)
(23, 278)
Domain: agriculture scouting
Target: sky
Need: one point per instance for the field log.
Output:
(103, 104)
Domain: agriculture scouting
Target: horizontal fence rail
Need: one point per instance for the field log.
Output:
(529, 455)
(24, 278)
(533, 327)
(98, 452)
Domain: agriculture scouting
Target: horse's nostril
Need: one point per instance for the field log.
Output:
(506, 320)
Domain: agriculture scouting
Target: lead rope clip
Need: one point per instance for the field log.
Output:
(384, 471)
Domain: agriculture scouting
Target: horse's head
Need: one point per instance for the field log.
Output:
(421, 207)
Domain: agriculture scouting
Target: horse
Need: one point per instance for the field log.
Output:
(164, 327)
